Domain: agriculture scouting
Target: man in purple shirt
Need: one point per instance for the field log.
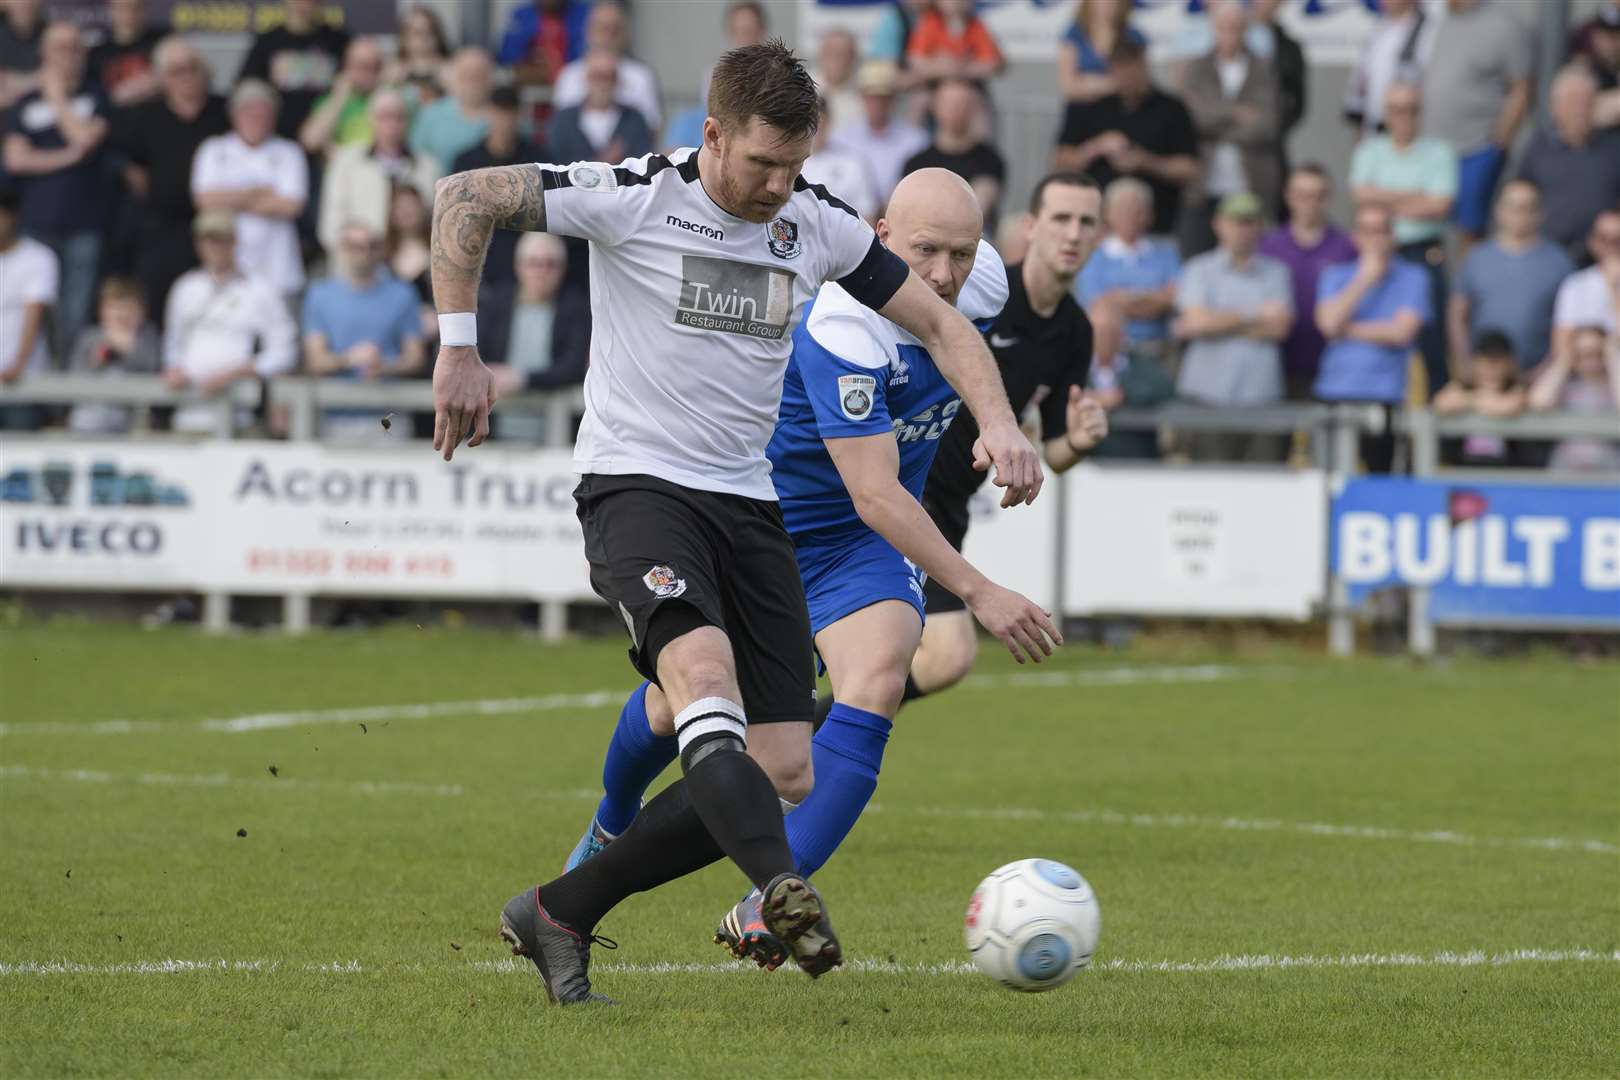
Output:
(1306, 245)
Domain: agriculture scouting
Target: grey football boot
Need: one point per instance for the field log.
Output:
(742, 931)
(562, 953)
(794, 912)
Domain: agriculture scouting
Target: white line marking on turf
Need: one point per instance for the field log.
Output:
(595, 699)
(359, 787)
(1236, 824)
(508, 965)
(592, 699)
(1005, 813)
(1129, 676)
(368, 713)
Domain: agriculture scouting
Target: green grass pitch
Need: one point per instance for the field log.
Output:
(1306, 868)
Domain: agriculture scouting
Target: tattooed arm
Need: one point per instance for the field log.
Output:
(467, 208)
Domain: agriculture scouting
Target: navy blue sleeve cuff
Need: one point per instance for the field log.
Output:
(879, 276)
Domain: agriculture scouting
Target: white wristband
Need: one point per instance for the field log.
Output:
(458, 328)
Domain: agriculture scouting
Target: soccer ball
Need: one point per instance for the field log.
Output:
(1032, 924)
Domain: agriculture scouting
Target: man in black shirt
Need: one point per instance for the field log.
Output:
(1042, 343)
(300, 59)
(22, 25)
(158, 141)
(122, 62)
(956, 102)
(1139, 131)
(505, 145)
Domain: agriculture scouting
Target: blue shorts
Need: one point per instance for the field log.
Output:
(855, 571)
(1477, 175)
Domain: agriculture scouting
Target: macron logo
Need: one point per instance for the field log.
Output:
(692, 227)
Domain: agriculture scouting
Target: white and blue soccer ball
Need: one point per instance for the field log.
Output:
(1032, 924)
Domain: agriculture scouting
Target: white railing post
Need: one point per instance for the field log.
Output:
(295, 613)
(216, 612)
(1343, 428)
(1425, 442)
(301, 420)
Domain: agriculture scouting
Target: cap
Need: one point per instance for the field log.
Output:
(214, 223)
(878, 77)
(1240, 204)
(1608, 17)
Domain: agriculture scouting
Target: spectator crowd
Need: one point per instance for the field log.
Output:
(149, 224)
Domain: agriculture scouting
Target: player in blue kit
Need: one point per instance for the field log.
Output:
(863, 409)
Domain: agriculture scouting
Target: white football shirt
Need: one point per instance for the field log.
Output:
(692, 314)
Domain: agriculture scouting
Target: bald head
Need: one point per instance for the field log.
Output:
(934, 223)
(1571, 105)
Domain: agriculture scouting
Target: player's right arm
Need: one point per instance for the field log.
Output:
(869, 466)
(467, 207)
(967, 364)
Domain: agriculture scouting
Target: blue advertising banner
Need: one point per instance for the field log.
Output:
(1488, 553)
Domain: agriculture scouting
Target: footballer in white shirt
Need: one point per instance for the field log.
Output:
(700, 262)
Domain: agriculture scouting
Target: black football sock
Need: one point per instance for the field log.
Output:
(666, 840)
(739, 804)
(823, 707)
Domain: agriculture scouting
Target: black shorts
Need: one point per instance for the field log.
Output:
(670, 559)
(951, 516)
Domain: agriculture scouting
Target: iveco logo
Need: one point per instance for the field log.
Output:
(702, 230)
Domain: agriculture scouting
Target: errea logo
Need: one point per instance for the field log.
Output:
(899, 372)
(692, 227)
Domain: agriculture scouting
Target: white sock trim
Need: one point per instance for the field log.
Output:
(706, 716)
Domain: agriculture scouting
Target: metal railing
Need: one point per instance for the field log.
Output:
(306, 398)
(1333, 432)
(141, 392)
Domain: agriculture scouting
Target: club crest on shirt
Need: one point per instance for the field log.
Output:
(663, 582)
(855, 395)
(590, 177)
(782, 237)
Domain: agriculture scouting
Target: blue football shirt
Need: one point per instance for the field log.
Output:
(854, 373)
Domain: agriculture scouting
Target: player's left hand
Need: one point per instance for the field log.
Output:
(1019, 623)
(1087, 420)
(463, 391)
(1018, 466)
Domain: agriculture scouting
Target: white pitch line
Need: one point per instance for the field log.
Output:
(235, 725)
(1238, 824)
(592, 699)
(970, 813)
(508, 965)
(1129, 676)
(217, 780)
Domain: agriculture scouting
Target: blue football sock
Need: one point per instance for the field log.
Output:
(635, 757)
(847, 753)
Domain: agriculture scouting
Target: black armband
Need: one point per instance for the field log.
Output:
(879, 276)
